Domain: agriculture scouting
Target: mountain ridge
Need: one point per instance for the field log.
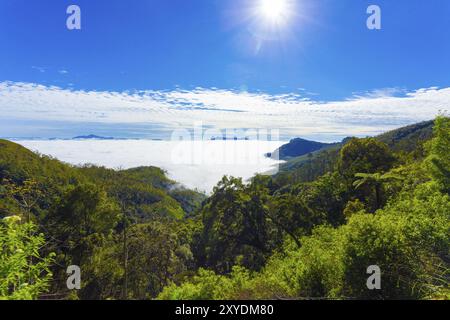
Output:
(296, 148)
(403, 139)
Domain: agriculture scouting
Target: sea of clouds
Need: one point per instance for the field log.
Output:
(30, 110)
(194, 164)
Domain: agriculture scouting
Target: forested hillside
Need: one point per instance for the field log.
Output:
(310, 231)
(120, 227)
(307, 167)
(288, 237)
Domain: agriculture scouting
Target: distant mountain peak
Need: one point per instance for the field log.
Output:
(92, 137)
(297, 147)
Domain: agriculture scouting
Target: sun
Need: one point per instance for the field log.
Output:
(275, 11)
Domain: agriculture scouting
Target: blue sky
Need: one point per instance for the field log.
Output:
(324, 53)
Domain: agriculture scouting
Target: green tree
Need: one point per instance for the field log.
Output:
(375, 181)
(236, 227)
(293, 217)
(82, 220)
(326, 195)
(83, 212)
(155, 256)
(26, 196)
(364, 155)
(438, 160)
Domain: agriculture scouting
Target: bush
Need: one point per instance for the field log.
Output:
(24, 274)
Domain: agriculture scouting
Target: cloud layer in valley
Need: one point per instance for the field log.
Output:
(196, 165)
(293, 114)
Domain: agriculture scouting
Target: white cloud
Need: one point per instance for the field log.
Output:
(247, 157)
(295, 115)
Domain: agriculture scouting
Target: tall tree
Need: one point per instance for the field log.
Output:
(438, 160)
(364, 155)
(375, 181)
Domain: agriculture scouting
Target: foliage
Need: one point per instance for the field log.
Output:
(364, 155)
(24, 273)
(438, 161)
(374, 181)
(236, 228)
(207, 285)
(410, 246)
(406, 234)
(310, 231)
